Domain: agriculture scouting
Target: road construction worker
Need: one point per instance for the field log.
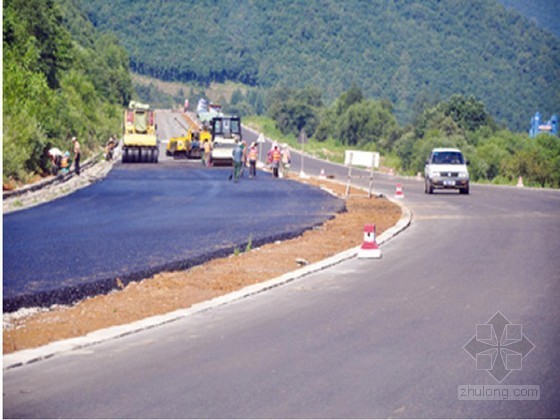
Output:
(109, 147)
(55, 156)
(207, 153)
(276, 157)
(65, 163)
(252, 156)
(77, 155)
(286, 160)
(237, 155)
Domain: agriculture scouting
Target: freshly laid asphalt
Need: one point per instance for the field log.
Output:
(143, 219)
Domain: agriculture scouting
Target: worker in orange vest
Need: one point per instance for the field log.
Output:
(276, 156)
(252, 155)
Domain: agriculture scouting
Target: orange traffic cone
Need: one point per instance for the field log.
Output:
(520, 182)
(369, 248)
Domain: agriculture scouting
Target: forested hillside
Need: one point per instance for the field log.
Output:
(60, 79)
(543, 13)
(411, 53)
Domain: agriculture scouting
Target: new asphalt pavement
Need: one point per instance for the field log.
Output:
(143, 219)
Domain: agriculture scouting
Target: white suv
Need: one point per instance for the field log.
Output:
(446, 168)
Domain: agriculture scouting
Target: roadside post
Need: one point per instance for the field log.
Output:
(302, 139)
(369, 248)
(260, 142)
(360, 158)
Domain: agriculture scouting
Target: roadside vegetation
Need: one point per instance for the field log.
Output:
(352, 121)
(60, 79)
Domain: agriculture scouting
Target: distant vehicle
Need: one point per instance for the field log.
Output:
(446, 169)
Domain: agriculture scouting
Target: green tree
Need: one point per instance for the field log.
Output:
(55, 87)
(366, 122)
(292, 117)
(469, 113)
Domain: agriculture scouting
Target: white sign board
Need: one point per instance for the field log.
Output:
(261, 139)
(360, 158)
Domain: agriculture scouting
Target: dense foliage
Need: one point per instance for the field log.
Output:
(405, 51)
(60, 79)
(544, 13)
(352, 121)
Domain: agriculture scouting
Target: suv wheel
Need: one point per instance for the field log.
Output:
(428, 188)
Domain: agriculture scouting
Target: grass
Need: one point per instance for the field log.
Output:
(331, 150)
(249, 244)
(237, 251)
(213, 92)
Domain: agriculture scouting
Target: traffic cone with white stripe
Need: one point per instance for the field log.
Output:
(369, 248)
(322, 174)
(399, 191)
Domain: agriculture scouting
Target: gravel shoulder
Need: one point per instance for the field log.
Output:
(170, 291)
(57, 187)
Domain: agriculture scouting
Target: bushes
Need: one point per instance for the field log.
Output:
(495, 155)
(55, 88)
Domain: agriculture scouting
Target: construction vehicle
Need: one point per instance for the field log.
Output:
(210, 124)
(140, 143)
(226, 132)
(191, 144)
(178, 146)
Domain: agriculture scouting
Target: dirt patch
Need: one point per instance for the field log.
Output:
(169, 291)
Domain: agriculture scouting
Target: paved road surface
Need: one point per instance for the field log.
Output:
(143, 219)
(379, 338)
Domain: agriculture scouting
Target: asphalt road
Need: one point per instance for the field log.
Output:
(365, 338)
(143, 219)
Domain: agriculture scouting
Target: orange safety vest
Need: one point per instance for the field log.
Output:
(276, 155)
(253, 153)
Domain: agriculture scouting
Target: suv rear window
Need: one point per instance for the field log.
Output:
(447, 158)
